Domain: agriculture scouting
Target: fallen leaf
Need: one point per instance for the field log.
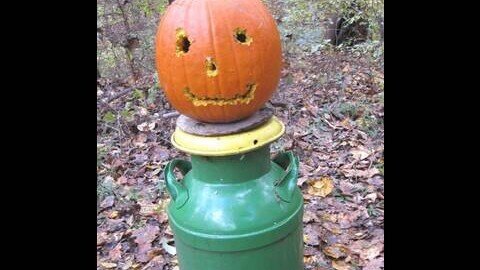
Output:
(157, 263)
(332, 227)
(309, 216)
(329, 217)
(346, 123)
(310, 235)
(371, 252)
(321, 187)
(375, 264)
(140, 139)
(341, 265)
(128, 264)
(142, 111)
(148, 209)
(360, 173)
(115, 253)
(336, 251)
(156, 171)
(108, 265)
(308, 259)
(107, 202)
(367, 250)
(159, 153)
(122, 180)
(140, 158)
(144, 237)
(371, 197)
(101, 238)
(360, 152)
(145, 126)
(113, 214)
(168, 248)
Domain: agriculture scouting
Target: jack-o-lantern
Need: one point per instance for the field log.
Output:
(218, 60)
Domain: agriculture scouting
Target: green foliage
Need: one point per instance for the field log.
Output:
(127, 114)
(380, 167)
(109, 117)
(362, 113)
(138, 94)
(152, 94)
(105, 187)
(101, 153)
(349, 109)
(370, 124)
(303, 23)
(162, 6)
(366, 12)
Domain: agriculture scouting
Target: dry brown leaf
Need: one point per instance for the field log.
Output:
(341, 265)
(101, 238)
(140, 139)
(157, 262)
(144, 237)
(310, 235)
(329, 217)
(309, 216)
(367, 250)
(145, 126)
(371, 252)
(336, 251)
(308, 259)
(122, 180)
(371, 197)
(107, 202)
(107, 265)
(332, 227)
(346, 123)
(360, 153)
(149, 209)
(115, 253)
(320, 187)
(361, 173)
(113, 214)
(375, 264)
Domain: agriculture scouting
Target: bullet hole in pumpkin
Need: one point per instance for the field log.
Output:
(182, 44)
(241, 36)
(255, 142)
(211, 67)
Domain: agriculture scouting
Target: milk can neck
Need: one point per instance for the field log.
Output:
(233, 168)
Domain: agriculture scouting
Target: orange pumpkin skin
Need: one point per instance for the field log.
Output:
(218, 60)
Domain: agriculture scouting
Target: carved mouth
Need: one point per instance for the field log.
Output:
(238, 99)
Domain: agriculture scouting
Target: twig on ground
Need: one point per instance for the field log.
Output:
(170, 114)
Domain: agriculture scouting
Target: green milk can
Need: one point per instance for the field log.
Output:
(235, 208)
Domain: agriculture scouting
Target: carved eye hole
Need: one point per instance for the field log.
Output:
(241, 36)
(182, 44)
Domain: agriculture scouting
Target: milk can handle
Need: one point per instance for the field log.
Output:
(286, 184)
(177, 189)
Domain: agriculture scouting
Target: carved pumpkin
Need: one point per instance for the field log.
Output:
(218, 60)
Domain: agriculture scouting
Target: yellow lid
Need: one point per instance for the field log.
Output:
(231, 144)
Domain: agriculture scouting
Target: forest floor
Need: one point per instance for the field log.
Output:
(332, 105)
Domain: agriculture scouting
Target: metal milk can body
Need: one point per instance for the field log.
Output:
(237, 212)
